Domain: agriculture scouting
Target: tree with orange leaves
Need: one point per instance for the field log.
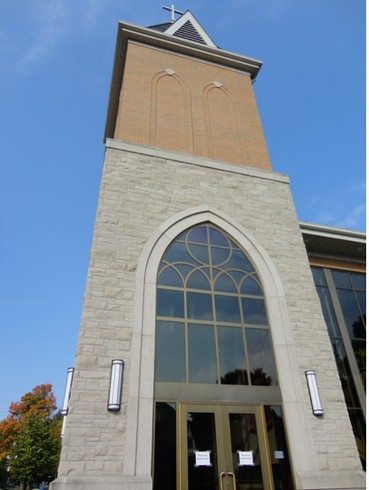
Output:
(30, 438)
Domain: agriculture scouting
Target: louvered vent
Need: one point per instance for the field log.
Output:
(187, 31)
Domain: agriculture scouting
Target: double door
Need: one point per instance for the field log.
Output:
(223, 447)
(207, 446)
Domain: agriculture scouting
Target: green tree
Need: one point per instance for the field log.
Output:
(30, 438)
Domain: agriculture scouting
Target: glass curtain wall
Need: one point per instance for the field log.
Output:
(343, 298)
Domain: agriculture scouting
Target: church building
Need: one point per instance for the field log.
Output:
(222, 342)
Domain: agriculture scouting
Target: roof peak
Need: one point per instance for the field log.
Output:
(187, 27)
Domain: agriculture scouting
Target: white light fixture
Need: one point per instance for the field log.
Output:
(316, 404)
(63, 427)
(115, 388)
(68, 386)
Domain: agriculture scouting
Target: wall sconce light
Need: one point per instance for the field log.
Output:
(316, 404)
(63, 427)
(115, 388)
(68, 386)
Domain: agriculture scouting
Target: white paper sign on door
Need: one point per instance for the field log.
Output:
(202, 458)
(245, 458)
(279, 454)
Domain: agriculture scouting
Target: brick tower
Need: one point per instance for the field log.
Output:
(200, 319)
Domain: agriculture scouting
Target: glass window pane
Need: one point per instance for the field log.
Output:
(328, 312)
(319, 277)
(200, 253)
(361, 297)
(261, 358)
(217, 238)
(232, 356)
(198, 280)
(170, 352)
(344, 372)
(227, 309)
(201, 354)
(220, 255)
(254, 311)
(341, 279)
(199, 306)
(359, 429)
(359, 347)
(278, 449)
(350, 310)
(244, 437)
(198, 235)
(177, 252)
(358, 281)
(201, 437)
(250, 286)
(225, 283)
(238, 260)
(184, 269)
(170, 277)
(165, 447)
(170, 303)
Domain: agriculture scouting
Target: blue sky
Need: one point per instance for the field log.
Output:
(56, 61)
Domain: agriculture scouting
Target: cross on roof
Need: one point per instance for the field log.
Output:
(174, 11)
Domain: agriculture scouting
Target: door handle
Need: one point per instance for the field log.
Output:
(232, 475)
(228, 473)
(221, 476)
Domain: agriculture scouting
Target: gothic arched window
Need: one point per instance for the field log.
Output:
(211, 319)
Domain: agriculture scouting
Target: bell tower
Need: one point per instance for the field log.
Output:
(174, 89)
(200, 317)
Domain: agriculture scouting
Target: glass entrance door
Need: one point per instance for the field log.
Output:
(223, 448)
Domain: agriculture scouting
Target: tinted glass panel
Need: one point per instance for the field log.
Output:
(201, 354)
(239, 261)
(359, 347)
(318, 276)
(361, 298)
(201, 437)
(225, 283)
(170, 303)
(250, 286)
(261, 358)
(219, 255)
(232, 356)
(165, 447)
(278, 448)
(244, 439)
(350, 310)
(198, 235)
(344, 372)
(170, 352)
(328, 312)
(177, 252)
(200, 253)
(358, 281)
(199, 306)
(227, 309)
(198, 280)
(341, 279)
(170, 277)
(254, 311)
(217, 238)
(358, 426)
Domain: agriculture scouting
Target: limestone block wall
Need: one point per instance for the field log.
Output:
(140, 189)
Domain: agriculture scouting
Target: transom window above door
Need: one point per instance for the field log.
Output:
(211, 319)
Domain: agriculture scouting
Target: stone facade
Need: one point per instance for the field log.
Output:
(146, 197)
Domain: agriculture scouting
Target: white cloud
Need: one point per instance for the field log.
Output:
(49, 22)
(354, 219)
